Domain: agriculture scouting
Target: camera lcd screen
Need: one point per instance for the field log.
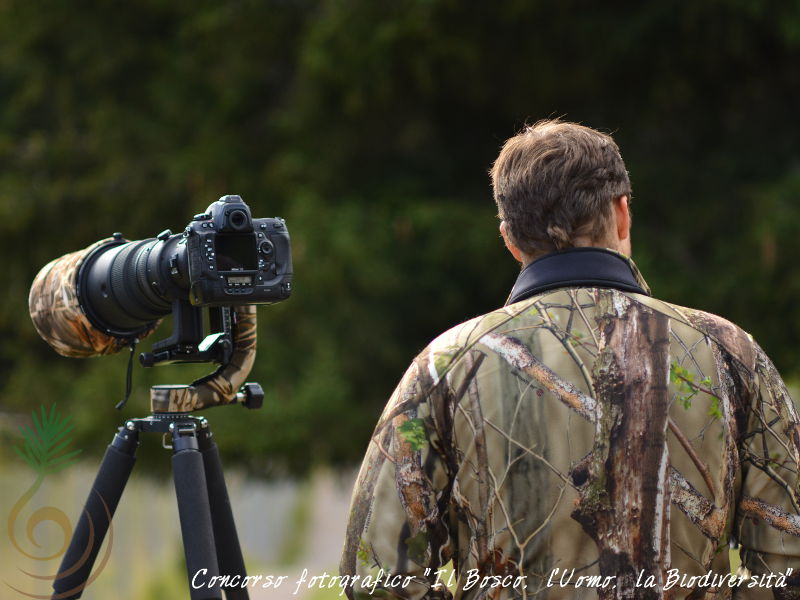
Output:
(236, 252)
(239, 280)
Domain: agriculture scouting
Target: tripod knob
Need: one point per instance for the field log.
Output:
(253, 395)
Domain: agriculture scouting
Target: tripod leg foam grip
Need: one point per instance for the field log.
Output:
(229, 551)
(196, 527)
(93, 524)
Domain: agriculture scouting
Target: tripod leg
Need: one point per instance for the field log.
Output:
(229, 551)
(95, 519)
(195, 515)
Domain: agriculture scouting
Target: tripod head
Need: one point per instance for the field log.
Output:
(187, 344)
(233, 345)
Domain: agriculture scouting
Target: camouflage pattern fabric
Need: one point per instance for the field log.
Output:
(221, 386)
(588, 429)
(57, 315)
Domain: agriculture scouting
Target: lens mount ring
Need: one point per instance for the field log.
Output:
(125, 283)
(144, 277)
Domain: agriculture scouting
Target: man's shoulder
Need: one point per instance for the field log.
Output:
(732, 338)
(453, 343)
(447, 348)
(467, 333)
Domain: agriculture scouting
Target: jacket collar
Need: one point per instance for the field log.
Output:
(579, 267)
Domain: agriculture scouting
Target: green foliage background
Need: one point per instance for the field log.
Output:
(370, 127)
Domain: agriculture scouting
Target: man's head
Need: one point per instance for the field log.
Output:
(559, 185)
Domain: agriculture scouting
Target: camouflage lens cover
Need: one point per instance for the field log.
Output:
(57, 314)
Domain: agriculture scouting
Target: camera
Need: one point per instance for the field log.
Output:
(224, 257)
(98, 300)
(234, 259)
(112, 294)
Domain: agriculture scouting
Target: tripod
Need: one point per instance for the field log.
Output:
(210, 541)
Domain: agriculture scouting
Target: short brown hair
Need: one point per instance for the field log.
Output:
(554, 182)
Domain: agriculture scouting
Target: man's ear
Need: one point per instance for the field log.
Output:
(622, 216)
(515, 252)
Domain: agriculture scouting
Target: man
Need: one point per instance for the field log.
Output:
(586, 440)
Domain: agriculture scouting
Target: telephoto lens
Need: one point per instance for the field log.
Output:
(125, 287)
(99, 299)
(60, 312)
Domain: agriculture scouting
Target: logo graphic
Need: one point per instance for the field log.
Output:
(45, 449)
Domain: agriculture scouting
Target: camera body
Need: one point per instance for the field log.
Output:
(234, 259)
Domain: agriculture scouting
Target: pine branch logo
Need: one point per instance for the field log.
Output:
(45, 444)
(46, 449)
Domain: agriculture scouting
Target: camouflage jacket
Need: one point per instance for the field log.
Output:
(581, 442)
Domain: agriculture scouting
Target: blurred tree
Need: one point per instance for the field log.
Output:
(370, 127)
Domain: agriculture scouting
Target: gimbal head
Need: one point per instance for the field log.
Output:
(187, 343)
(235, 344)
